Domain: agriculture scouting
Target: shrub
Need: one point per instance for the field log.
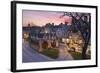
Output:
(76, 55)
(51, 52)
(44, 45)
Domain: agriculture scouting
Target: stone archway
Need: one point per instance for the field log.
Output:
(43, 44)
(53, 43)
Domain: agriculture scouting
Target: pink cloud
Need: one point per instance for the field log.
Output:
(40, 18)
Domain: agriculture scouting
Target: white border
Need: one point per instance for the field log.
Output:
(36, 65)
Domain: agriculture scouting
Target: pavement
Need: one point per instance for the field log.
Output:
(64, 54)
(31, 55)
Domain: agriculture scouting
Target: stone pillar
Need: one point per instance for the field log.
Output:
(49, 43)
(57, 43)
(40, 46)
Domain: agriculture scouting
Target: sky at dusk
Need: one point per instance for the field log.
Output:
(40, 18)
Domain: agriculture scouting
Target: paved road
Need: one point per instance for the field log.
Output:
(30, 55)
(64, 54)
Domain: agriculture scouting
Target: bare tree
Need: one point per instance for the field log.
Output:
(81, 22)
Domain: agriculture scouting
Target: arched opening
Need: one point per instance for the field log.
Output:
(53, 44)
(45, 45)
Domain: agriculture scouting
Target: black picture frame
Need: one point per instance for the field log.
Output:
(13, 35)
